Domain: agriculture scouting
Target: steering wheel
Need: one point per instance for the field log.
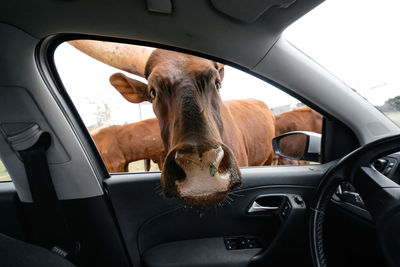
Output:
(380, 195)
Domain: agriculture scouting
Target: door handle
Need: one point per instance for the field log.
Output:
(292, 212)
(255, 207)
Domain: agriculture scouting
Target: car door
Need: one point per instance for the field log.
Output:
(163, 232)
(264, 222)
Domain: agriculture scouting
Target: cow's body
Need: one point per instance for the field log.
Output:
(121, 144)
(304, 119)
(249, 127)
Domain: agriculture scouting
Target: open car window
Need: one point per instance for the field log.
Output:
(127, 134)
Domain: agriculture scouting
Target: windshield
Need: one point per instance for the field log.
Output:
(359, 42)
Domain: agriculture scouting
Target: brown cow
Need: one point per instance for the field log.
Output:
(199, 167)
(303, 119)
(121, 144)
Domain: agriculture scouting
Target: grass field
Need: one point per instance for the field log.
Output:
(138, 166)
(394, 116)
(3, 173)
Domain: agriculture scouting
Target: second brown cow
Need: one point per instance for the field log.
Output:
(303, 119)
(120, 145)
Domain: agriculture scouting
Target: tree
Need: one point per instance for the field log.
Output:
(102, 114)
(394, 102)
(391, 105)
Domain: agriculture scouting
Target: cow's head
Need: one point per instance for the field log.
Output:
(184, 91)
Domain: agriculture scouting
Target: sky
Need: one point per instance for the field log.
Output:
(357, 41)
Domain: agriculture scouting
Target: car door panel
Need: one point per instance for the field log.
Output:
(209, 252)
(150, 222)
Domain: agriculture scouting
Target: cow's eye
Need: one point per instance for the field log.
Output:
(153, 93)
(218, 85)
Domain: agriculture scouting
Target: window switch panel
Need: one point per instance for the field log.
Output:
(235, 243)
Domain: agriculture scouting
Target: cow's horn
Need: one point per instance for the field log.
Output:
(130, 58)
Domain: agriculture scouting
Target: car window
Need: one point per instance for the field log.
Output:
(127, 134)
(361, 48)
(4, 176)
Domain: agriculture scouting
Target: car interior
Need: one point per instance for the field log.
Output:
(62, 207)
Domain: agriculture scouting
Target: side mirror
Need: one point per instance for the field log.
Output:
(298, 145)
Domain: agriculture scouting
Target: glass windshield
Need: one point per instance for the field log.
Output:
(358, 41)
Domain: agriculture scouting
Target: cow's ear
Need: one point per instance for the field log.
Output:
(221, 70)
(132, 90)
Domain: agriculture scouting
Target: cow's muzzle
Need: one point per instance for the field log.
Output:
(199, 178)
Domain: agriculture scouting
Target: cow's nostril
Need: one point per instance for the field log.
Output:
(210, 159)
(219, 155)
(184, 159)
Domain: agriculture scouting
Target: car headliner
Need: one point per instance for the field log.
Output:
(193, 25)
